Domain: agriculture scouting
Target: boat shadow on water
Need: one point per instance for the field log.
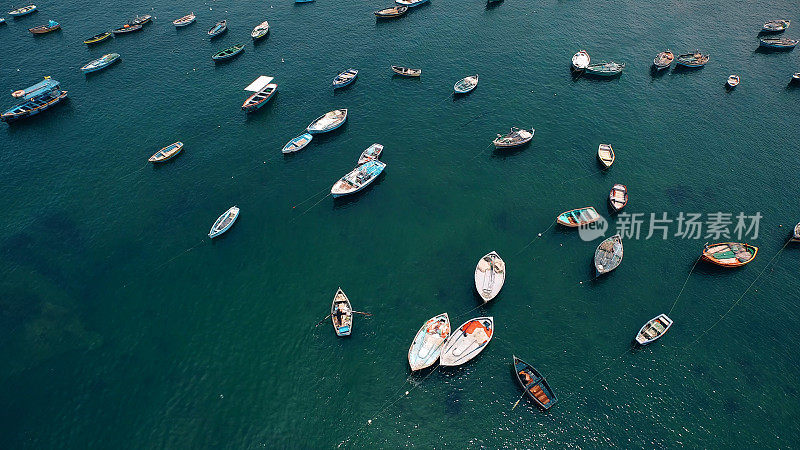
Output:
(655, 73)
(677, 69)
(503, 153)
(492, 4)
(769, 50)
(63, 107)
(261, 113)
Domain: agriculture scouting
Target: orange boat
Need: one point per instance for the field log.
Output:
(729, 254)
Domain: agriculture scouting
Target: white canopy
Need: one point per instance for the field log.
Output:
(259, 83)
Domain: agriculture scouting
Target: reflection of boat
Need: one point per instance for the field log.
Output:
(342, 314)
(775, 26)
(36, 99)
(467, 341)
(100, 63)
(358, 178)
(653, 329)
(695, 59)
(781, 43)
(581, 60)
(167, 152)
(185, 20)
(663, 60)
(517, 137)
(427, 344)
(733, 81)
(42, 29)
(98, 38)
(466, 84)
(490, 274)
(534, 384)
(407, 72)
(224, 222)
(608, 255)
(391, 13)
(729, 254)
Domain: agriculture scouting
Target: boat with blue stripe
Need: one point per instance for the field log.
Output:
(24, 11)
(359, 178)
(345, 78)
(328, 121)
(100, 63)
(224, 222)
(36, 99)
(779, 43)
(218, 28)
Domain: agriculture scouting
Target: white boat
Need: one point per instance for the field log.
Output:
(517, 137)
(653, 329)
(342, 314)
(581, 60)
(224, 222)
(359, 178)
(372, 152)
(467, 341)
(796, 76)
(733, 81)
(185, 20)
(427, 344)
(297, 143)
(490, 274)
(466, 84)
(260, 30)
(608, 255)
(410, 3)
(328, 121)
(605, 153)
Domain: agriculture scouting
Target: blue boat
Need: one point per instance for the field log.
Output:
(328, 121)
(218, 28)
(24, 11)
(224, 222)
(410, 3)
(534, 384)
(298, 143)
(359, 178)
(780, 43)
(36, 99)
(100, 63)
(303, 1)
(345, 78)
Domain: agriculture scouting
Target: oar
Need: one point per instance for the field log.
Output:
(518, 400)
(359, 312)
(323, 320)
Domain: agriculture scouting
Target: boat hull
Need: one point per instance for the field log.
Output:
(379, 167)
(11, 116)
(543, 396)
(467, 342)
(22, 11)
(89, 69)
(427, 344)
(234, 212)
(732, 260)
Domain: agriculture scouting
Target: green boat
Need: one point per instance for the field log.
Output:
(605, 69)
(228, 53)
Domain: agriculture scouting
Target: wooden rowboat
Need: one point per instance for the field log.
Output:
(391, 13)
(775, 26)
(779, 43)
(406, 72)
(410, 3)
(733, 81)
(427, 344)
(653, 329)
(345, 78)
(100, 63)
(517, 137)
(606, 155)
(534, 384)
(25, 10)
(42, 29)
(795, 234)
(466, 84)
(185, 20)
(342, 314)
(608, 255)
(127, 28)
(467, 342)
(224, 222)
(218, 28)
(618, 197)
(490, 274)
(663, 59)
(729, 254)
(577, 217)
(297, 143)
(260, 30)
(228, 53)
(328, 121)
(372, 152)
(98, 38)
(167, 152)
(692, 60)
(259, 98)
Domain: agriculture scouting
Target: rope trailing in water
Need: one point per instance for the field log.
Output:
(535, 238)
(310, 208)
(684, 284)
(202, 241)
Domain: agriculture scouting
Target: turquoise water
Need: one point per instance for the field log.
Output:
(122, 326)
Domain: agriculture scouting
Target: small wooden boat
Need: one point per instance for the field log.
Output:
(466, 84)
(218, 28)
(167, 152)
(663, 60)
(259, 98)
(733, 81)
(608, 255)
(604, 69)
(577, 217)
(127, 28)
(328, 121)
(98, 38)
(795, 234)
(100, 63)
(427, 344)
(25, 10)
(410, 3)
(467, 342)
(406, 72)
(779, 43)
(260, 30)
(391, 13)
(35, 99)
(298, 143)
(42, 29)
(534, 384)
(581, 60)
(359, 178)
(606, 155)
(796, 77)
(342, 314)
(185, 20)
(692, 60)
(653, 329)
(729, 254)
(618, 197)
(141, 20)
(224, 222)
(517, 137)
(775, 26)
(228, 53)
(372, 152)
(345, 78)
(490, 274)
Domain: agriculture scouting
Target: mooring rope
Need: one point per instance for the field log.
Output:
(684, 284)
(202, 241)
(535, 238)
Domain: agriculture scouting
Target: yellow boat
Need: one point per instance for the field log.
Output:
(98, 38)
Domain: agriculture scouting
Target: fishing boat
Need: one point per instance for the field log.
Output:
(427, 344)
(608, 254)
(467, 342)
(604, 69)
(359, 178)
(490, 274)
(127, 28)
(303, 1)
(100, 63)
(328, 121)
(581, 60)
(653, 329)
(342, 314)
(534, 384)
(618, 197)
(795, 234)
(391, 13)
(228, 53)
(733, 81)
(2, 20)
(517, 137)
(406, 72)
(577, 217)
(297, 143)
(606, 155)
(141, 20)
(466, 84)
(98, 38)
(663, 60)
(185, 20)
(410, 3)
(260, 30)
(729, 254)
(42, 29)
(692, 60)
(224, 222)
(775, 26)
(795, 77)
(167, 152)
(35, 99)
(779, 43)
(345, 78)
(263, 89)
(372, 152)
(25, 10)
(218, 28)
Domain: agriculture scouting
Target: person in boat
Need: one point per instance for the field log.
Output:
(525, 377)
